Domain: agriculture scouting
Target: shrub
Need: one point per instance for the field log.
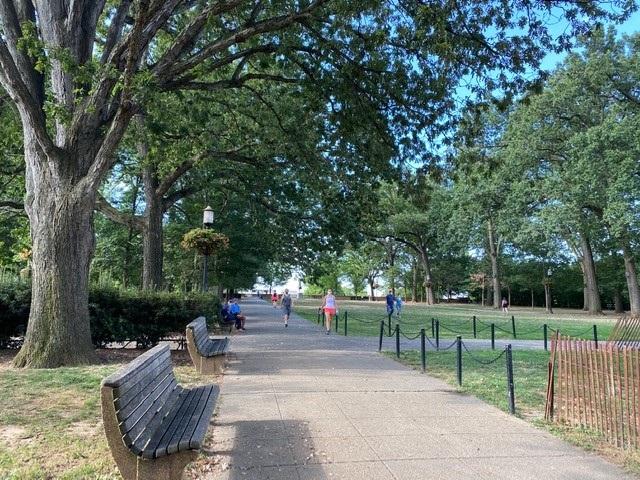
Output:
(116, 315)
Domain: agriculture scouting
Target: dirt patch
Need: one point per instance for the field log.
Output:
(12, 434)
(6, 357)
(85, 429)
(125, 355)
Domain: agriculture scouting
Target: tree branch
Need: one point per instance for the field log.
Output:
(132, 221)
(13, 206)
(31, 113)
(238, 36)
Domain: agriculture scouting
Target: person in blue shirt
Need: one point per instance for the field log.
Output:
(234, 310)
(390, 302)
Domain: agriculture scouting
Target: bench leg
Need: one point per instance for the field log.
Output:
(212, 365)
(165, 468)
(123, 457)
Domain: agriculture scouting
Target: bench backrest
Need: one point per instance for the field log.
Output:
(200, 333)
(140, 390)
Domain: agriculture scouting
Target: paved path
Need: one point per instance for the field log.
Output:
(297, 404)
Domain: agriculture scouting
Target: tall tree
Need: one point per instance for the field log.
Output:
(78, 73)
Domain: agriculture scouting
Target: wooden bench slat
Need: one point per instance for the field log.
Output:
(167, 427)
(200, 430)
(168, 445)
(128, 406)
(142, 388)
(162, 416)
(172, 443)
(118, 378)
(133, 425)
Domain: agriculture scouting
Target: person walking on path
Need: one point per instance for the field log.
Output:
(390, 302)
(274, 299)
(505, 305)
(286, 302)
(398, 306)
(330, 308)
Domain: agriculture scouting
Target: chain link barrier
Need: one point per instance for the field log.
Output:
(480, 361)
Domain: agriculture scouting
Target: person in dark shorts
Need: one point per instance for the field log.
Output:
(391, 300)
(286, 302)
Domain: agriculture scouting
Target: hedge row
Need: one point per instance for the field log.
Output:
(116, 315)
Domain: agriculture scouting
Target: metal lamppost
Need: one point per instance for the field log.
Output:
(207, 222)
(547, 291)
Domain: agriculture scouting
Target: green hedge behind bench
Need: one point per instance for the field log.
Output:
(116, 315)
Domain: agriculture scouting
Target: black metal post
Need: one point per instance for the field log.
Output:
(493, 336)
(545, 334)
(389, 324)
(513, 326)
(381, 335)
(205, 274)
(433, 327)
(459, 359)
(345, 323)
(397, 340)
(595, 335)
(423, 350)
(474, 327)
(318, 319)
(337, 319)
(510, 390)
(437, 334)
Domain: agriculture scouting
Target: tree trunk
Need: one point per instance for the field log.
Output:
(533, 303)
(547, 298)
(61, 223)
(372, 295)
(493, 256)
(428, 283)
(631, 277)
(593, 295)
(617, 302)
(152, 243)
(152, 235)
(414, 290)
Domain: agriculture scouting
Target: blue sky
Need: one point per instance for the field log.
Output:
(632, 25)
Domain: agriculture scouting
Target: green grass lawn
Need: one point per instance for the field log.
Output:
(51, 423)
(488, 382)
(364, 320)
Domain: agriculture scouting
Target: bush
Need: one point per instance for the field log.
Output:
(116, 315)
(15, 297)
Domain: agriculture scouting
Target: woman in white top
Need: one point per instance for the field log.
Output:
(330, 308)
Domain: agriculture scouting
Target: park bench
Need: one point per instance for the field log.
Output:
(154, 427)
(208, 355)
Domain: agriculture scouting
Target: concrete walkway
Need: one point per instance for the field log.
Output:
(297, 404)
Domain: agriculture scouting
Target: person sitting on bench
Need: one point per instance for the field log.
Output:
(234, 310)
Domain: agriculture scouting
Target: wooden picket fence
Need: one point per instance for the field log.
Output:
(626, 332)
(596, 387)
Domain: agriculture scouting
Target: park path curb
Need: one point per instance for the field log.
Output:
(298, 404)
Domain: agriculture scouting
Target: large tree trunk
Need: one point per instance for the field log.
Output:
(372, 293)
(618, 306)
(152, 244)
(493, 256)
(631, 277)
(61, 221)
(591, 282)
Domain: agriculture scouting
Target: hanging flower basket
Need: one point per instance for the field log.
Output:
(205, 241)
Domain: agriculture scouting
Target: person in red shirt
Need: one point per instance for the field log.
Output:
(274, 299)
